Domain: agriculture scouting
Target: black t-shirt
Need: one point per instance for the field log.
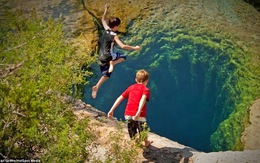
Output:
(106, 42)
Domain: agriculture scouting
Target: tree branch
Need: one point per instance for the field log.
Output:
(15, 112)
(3, 156)
(16, 47)
(9, 69)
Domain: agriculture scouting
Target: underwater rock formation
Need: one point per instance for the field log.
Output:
(209, 52)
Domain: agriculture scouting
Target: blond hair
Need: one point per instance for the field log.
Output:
(141, 76)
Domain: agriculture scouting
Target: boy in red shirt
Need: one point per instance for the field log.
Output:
(135, 112)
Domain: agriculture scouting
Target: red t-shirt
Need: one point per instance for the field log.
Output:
(134, 94)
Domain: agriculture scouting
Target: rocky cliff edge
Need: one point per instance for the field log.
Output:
(162, 149)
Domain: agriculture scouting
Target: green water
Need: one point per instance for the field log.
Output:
(202, 77)
(187, 88)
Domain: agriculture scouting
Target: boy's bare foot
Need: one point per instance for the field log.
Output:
(148, 143)
(111, 68)
(94, 91)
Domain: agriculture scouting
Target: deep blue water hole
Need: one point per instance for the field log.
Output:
(184, 91)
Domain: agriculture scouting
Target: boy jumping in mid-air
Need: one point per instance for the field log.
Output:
(107, 57)
(135, 111)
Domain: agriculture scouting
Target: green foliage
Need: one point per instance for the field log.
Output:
(245, 91)
(121, 151)
(142, 135)
(37, 71)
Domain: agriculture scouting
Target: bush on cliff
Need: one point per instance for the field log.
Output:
(38, 67)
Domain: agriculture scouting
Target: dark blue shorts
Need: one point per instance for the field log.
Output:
(105, 66)
(104, 69)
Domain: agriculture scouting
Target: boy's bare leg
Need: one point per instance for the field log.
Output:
(118, 61)
(113, 63)
(97, 86)
(111, 66)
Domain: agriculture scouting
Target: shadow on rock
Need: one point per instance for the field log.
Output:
(167, 155)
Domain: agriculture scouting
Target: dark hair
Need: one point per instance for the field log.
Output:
(113, 21)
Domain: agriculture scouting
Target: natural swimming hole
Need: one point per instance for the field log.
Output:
(189, 96)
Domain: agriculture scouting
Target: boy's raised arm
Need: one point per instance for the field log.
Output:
(126, 47)
(104, 23)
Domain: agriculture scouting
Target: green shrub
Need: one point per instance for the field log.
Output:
(38, 67)
(121, 150)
